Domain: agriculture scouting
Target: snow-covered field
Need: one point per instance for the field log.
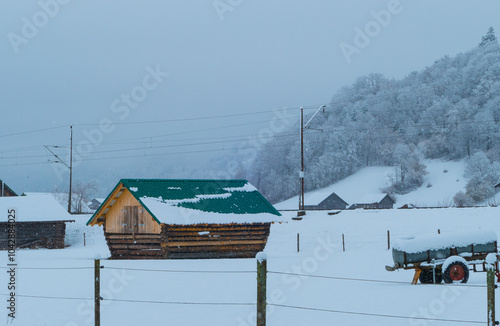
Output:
(179, 298)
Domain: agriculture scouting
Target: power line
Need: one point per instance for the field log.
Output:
(184, 303)
(281, 135)
(47, 297)
(33, 131)
(359, 279)
(179, 271)
(379, 315)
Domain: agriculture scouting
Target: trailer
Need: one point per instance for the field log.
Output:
(444, 257)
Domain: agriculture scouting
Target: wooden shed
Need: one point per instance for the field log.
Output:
(40, 222)
(177, 219)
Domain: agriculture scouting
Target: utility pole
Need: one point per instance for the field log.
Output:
(302, 169)
(301, 173)
(70, 168)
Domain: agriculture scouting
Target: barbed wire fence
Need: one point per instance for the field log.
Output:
(326, 278)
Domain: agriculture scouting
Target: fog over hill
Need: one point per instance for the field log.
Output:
(449, 110)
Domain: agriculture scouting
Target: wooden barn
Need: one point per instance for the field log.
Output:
(40, 222)
(375, 201)
(185, 219)
(6, 191)
(332, 201)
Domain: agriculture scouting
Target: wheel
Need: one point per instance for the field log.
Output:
(456, 272)
(426, 276)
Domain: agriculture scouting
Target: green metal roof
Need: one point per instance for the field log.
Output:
(216, 196)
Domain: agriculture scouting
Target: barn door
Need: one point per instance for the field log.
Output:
(132, 219)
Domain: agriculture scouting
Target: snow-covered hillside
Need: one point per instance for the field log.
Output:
(444, 180)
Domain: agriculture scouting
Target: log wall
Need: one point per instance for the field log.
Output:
(35, 235)
(191, 242)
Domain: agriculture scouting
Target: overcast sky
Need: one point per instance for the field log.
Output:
(102, 66)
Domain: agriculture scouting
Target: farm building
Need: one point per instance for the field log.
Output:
(175, 219)
(40, 222)
(333, 201)
(95, 203)
(6, 191)
(375, 201)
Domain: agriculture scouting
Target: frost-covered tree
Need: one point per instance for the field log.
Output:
(489, 37)
(482, 175)
(409, 169)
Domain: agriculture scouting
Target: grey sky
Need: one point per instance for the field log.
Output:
(222, 58)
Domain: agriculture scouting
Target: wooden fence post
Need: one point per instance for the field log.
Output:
(298, 242)
(97, 292)
(490, 283)
(84, 239)
(261, 288)
(388, 240)
(343, 242)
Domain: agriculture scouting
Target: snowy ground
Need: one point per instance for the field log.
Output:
(320, 254)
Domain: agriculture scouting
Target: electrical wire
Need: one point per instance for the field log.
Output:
(362, 280)
(378, 315)
(179, 271)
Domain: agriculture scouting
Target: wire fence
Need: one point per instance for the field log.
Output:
(248, 304)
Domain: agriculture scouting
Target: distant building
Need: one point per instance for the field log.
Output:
(6, 191)
(40, 222)
(374, 201)
(333, 201)
(95, 203)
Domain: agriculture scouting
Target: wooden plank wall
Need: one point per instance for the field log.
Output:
(35, 235)
(191, 242)
(216, 240)
(117, 221)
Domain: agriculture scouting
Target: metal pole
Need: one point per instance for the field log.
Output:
(261, 288)
(70, 168)
(301, 206)
(97, 292)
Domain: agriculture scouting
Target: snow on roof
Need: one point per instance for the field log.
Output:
(167, 211)
(39, 208)
(187, 201)
(62, 198)
(443, 241)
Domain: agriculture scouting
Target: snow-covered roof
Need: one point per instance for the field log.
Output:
(198, 201)
(62, 198)
(443, 241)
(43, 207)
